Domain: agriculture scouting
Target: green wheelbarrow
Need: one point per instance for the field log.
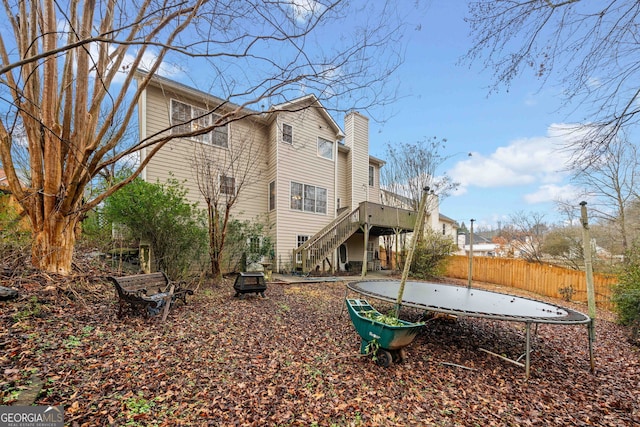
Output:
(382, 336)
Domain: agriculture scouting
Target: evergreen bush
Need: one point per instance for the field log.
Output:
(160, 215)
(626, 295)
(431, 254)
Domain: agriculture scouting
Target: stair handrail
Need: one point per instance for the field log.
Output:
(329, 227)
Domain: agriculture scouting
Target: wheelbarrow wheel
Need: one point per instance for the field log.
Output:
(384, 358)
(399, 356)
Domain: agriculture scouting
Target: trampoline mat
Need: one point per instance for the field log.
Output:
(463, 301)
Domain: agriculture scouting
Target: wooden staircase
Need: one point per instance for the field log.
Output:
(326, 241)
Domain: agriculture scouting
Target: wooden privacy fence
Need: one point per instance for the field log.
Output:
(542, 279)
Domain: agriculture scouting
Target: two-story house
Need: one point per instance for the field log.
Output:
(314, 185)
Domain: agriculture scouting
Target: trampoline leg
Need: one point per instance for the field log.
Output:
(527, 362)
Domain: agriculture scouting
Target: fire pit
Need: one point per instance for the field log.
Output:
(247, 283)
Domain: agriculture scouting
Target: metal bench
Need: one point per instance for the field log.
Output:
(148, 293)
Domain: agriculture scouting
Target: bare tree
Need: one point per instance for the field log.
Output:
(610, 185)
(525, 233)
(589, 48)
(64, 66)
(222, 175)
(409, 168)
(564, 244)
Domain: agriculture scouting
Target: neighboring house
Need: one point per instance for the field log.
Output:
(434, 220)
(482, 245)
(315, 186)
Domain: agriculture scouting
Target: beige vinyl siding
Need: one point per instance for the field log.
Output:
(299, 162)
(357, 129)
(176, 157)
(344, 181)
(273, 135)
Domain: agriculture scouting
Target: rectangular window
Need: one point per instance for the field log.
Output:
(220, 136)
(227, 185)
(296, 196)
(254, 244)
(272, 195)
(371, 176)
(321, 200)
(201, 120)
(180, 113)
(187, 118)
(325, 148)
(287, 133)
(308, 198)
(444, 230)
(300, 239)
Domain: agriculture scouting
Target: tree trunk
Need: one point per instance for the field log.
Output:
(53, 244)
(214, 244)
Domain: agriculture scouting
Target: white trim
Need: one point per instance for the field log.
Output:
(143, 130)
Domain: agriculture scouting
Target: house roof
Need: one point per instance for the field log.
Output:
(309, 101)
(445, 218)
(160, 81)
(377, 161)
(306, 101)
(302, 102)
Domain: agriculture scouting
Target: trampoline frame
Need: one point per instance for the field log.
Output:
(572, 318)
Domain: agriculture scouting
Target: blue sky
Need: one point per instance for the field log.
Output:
(514, 135)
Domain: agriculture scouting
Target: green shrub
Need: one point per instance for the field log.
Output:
(160, 215)
(431, 254)
(246, 242)
(626, 295)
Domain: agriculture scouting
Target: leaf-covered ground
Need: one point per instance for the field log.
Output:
(293, 359)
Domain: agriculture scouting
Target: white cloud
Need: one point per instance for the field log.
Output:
(525, 161)
(149, 58)
(551, 193)
(303, 10)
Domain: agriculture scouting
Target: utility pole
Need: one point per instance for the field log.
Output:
(470, 254)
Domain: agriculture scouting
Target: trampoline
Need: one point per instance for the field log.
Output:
(463, 301)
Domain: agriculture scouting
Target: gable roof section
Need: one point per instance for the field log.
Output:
(377, 161)
(308, 101)
(451, 221)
